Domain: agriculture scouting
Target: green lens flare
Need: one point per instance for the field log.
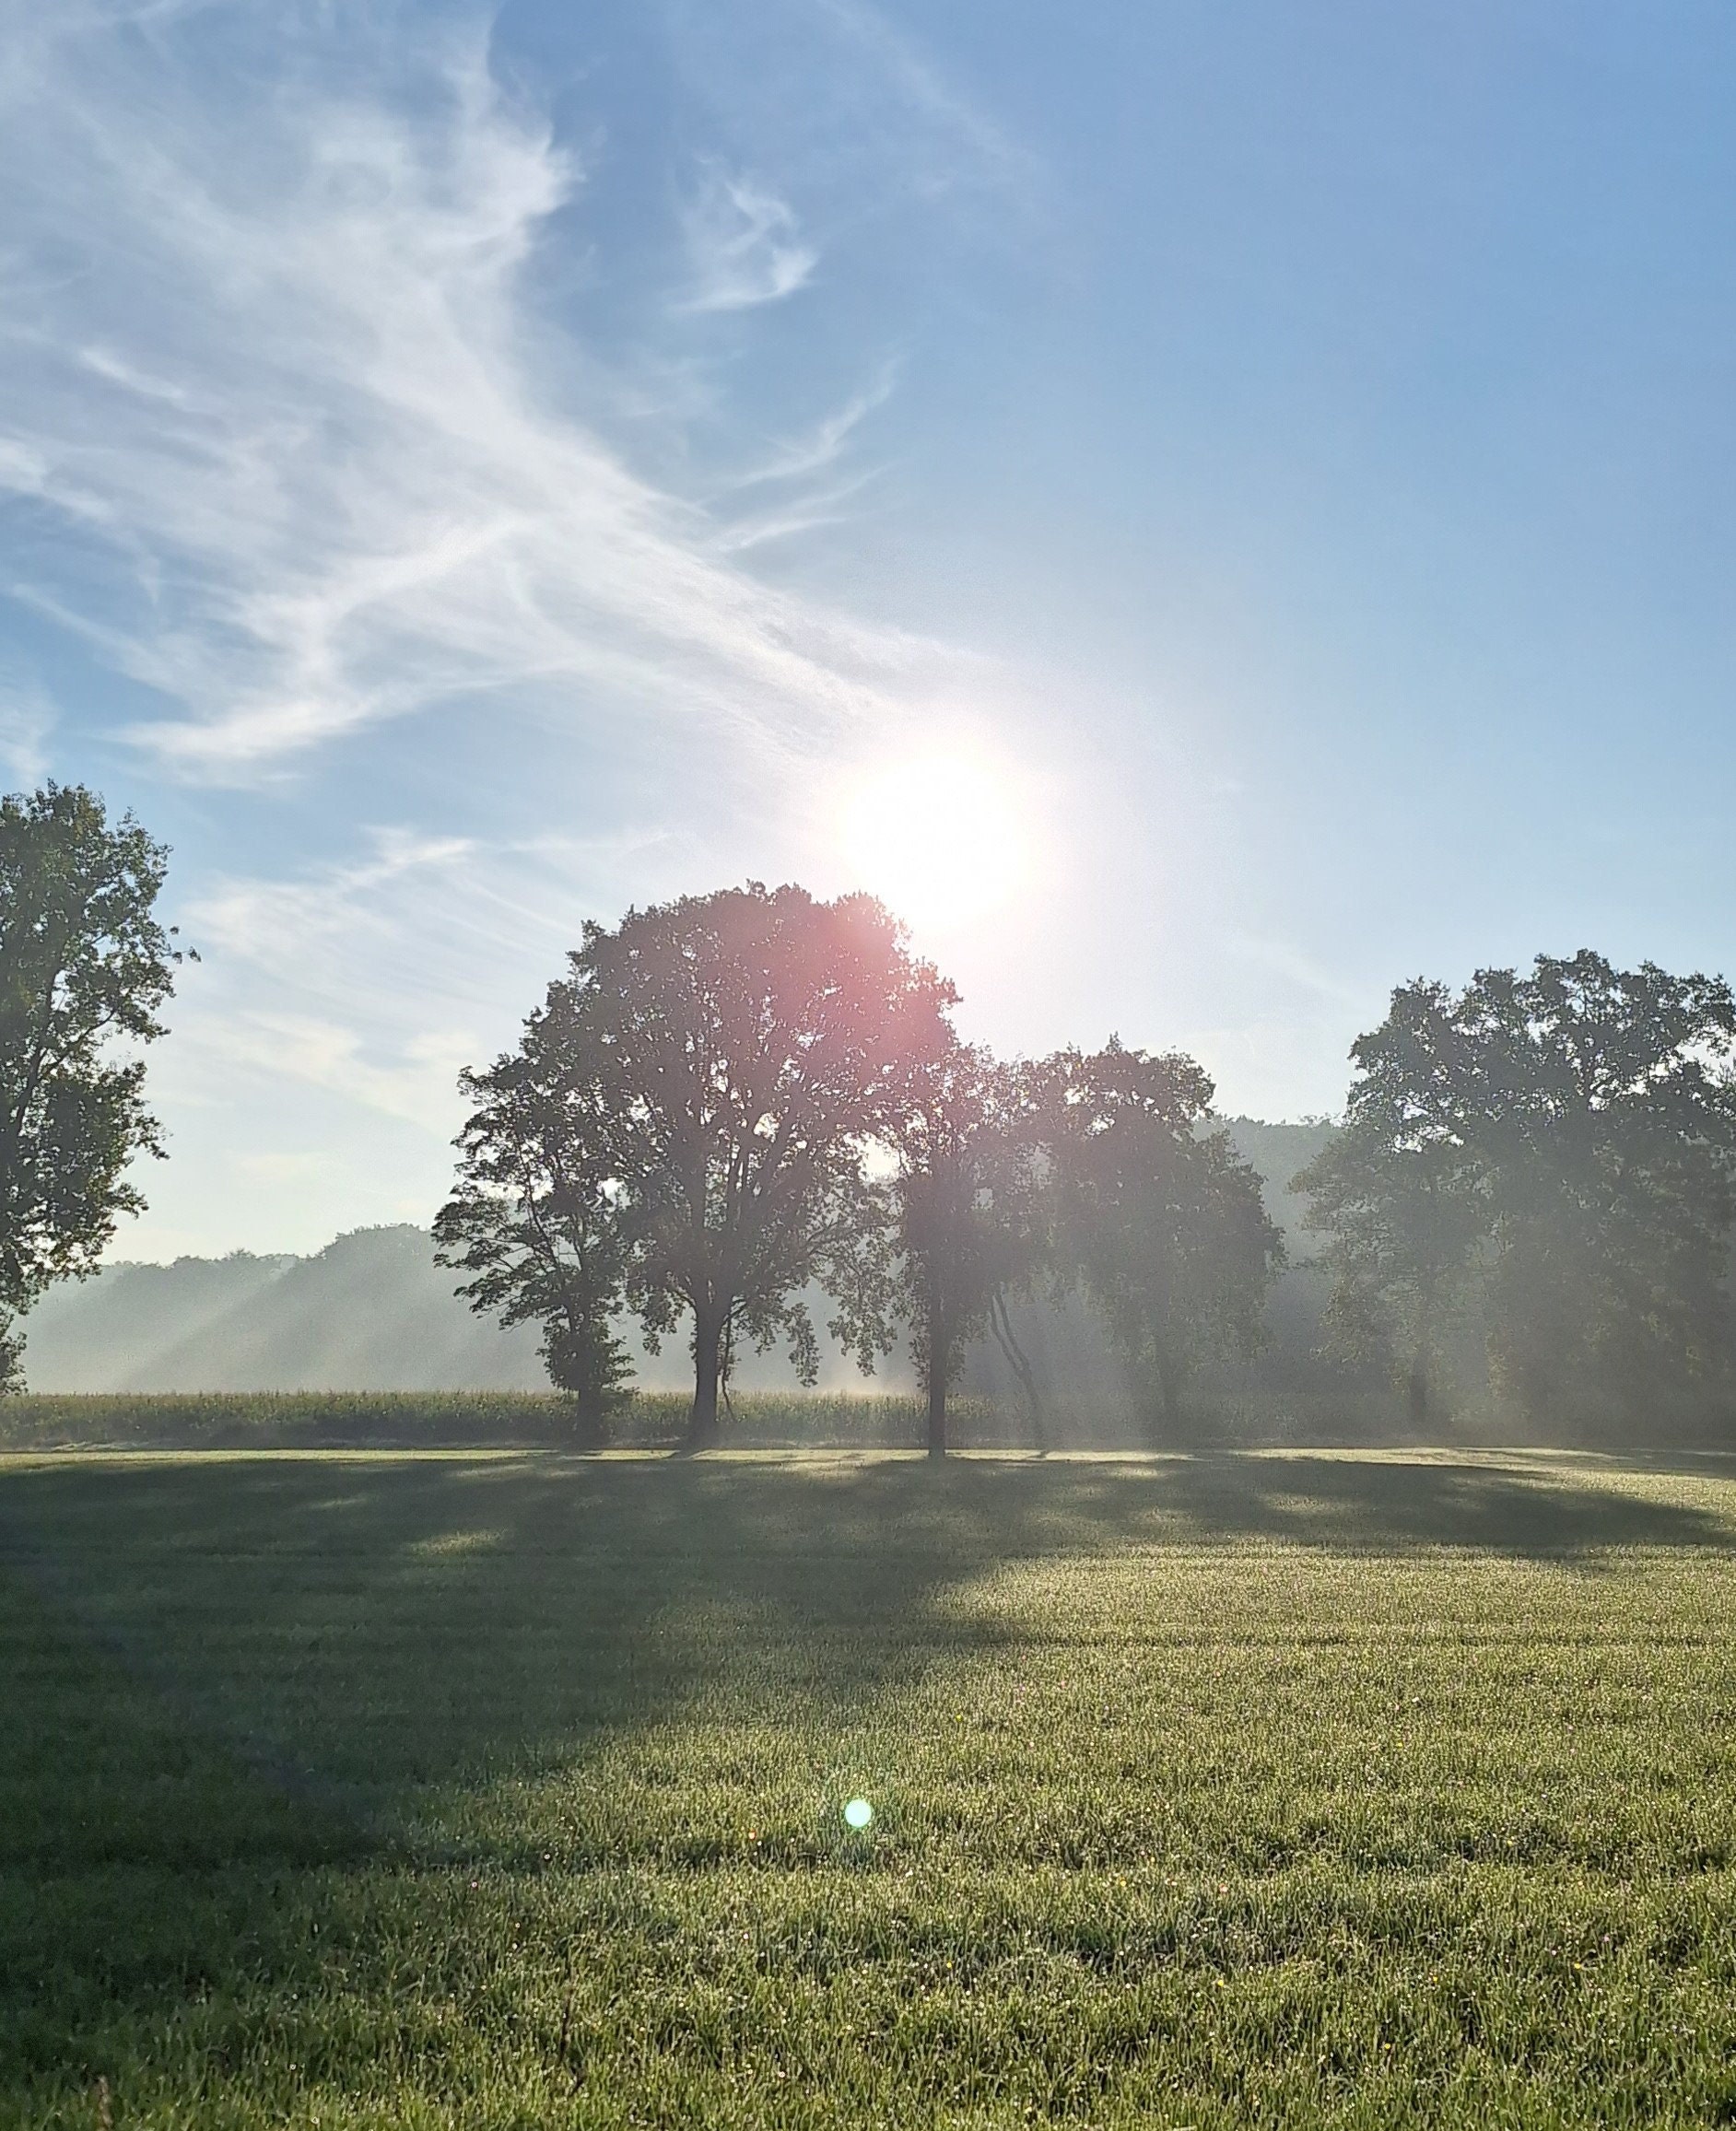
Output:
(857, 1813)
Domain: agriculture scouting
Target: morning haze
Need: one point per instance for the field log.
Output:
(867, 1108)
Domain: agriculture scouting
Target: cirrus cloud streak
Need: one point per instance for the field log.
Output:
(311, 453)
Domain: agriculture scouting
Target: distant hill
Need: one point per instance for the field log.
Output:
(372, 1312)
(1278, 1152)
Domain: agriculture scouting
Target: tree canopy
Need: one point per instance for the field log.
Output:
(84, 969)
(1557, 1150)
(971, 1214)
(1160, 1219)
(716, 1066)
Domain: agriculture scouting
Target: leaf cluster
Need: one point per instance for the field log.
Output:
(85, 970)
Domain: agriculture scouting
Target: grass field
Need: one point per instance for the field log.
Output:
(506, 1790)
(466, 1421)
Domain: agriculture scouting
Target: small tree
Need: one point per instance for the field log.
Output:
(85, 967)
(1161, 1221)
(534, 1220)
(967, 1220)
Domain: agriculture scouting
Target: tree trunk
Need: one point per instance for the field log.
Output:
(939, 1370)
(1019, 1362)
(707, 1345)
(1169, 1378)
(1417, 1392)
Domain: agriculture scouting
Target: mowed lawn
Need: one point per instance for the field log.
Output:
(507, 1790)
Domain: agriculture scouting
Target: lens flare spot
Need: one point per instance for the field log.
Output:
(858, 1814)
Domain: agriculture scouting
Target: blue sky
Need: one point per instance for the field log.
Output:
(462, 472)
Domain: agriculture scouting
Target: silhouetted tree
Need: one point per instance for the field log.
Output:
(1400, 1194)
(1160, 1219)
(969, 1214)
(1577, 1126)
(85, 967)
(1610, 1130)
(725, 1061)
(535, 1216)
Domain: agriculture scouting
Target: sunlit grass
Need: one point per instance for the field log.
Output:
(465, 1420)
(512, 1790)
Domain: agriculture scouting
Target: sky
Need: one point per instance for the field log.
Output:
(1259, 478)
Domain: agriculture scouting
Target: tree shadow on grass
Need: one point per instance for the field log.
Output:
(233, 1681)
(354, 1629)
(1532, 1510)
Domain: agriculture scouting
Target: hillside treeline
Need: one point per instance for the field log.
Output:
(733, 1104)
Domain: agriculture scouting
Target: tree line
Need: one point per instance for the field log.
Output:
(735, 1109)
(732, 1102)
(735, 1102)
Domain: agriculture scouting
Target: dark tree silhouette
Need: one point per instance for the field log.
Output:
(85, 967)
(1401, 1197)
(970, 1222)
(1561, 1144)
(535, 1216)
(721, 1063)
(1160, 1219)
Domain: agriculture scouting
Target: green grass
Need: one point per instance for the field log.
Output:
(462, 1421)
(487, 1791)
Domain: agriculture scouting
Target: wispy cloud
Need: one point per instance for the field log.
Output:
(825, 442)
(304, 430)
(283, 388)
(279, 922)
(744, 245)
(27, 718)
(1302, 971)
(378, 977)
(986, 150)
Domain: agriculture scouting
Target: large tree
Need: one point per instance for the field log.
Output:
(726, 1059)
(85, 968)
(1160, 1219)
(1562, 1144)
(1608, 1122)
(971, 1214)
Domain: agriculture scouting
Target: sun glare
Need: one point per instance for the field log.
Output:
(941, 838)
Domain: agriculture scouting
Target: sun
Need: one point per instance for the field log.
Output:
(940, 837)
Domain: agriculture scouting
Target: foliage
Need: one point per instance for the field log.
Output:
(710, 1073)
(1160, 1219)
(970, 1211)
(1400, 1198)
(85, 967)
(484, 1792)
(1561, 1146)
(534, 1219)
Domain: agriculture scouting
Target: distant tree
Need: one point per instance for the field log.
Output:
(969, 1215)
(85, 967)
(535, 1216)
(1160, 1219)
(1608, 1132)
(1564, 1144)
(725, 1061)
(1399, 1195)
